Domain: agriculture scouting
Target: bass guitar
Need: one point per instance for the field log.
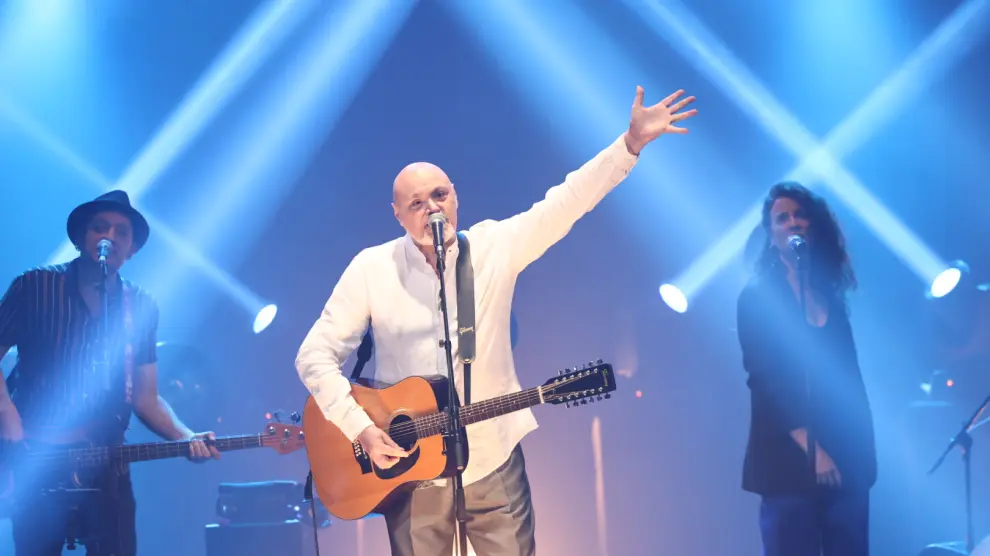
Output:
(351, 486)
(73, 462)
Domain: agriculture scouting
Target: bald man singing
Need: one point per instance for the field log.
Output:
(393, 288)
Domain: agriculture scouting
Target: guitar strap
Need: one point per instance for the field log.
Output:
(363, 354)
(465, 318)
(465, 310)
(130, 337)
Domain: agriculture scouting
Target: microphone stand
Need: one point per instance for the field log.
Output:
(104, 319)
(802, 269)
(72, 497)
(965, 443)
(454, 435)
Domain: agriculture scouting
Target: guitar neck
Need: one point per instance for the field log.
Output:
(180, 448)
(502, 405)
(435, 424)
(148, 451)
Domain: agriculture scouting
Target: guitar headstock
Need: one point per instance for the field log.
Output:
(593, 381)
(283, 438)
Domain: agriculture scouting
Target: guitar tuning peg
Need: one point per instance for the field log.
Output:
(584, 402)
(600, 361)
(589, 365)
(295, 417)
(277, 415)
(608, 396)
(567, 404)
(599, 397)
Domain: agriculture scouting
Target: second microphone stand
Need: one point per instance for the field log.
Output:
(802, 270)
(454, 434)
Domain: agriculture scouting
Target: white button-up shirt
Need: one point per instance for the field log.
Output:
(393, 288)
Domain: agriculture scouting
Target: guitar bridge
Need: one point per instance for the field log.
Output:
(361, 457)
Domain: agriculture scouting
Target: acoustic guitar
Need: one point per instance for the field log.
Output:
(73, 461)
(412, 412)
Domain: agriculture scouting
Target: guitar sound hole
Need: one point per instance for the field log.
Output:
(403, 432)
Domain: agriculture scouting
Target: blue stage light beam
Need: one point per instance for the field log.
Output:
(61, 152)
(818, 160)
(581, 83)
(274, 141)
(254, 43)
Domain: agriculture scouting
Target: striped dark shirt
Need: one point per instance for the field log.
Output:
(56, 382)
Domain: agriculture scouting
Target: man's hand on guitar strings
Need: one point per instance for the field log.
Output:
(201, 447)
(384, 452)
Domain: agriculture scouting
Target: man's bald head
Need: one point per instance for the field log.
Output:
(419, 190)
(416, 175)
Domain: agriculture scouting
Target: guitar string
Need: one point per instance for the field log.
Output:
(108, 452)
(410, 430)
(484, 406)
(436, 422)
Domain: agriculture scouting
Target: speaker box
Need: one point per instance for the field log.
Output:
(286, 538)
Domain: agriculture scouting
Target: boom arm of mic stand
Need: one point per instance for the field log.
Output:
(962, 438)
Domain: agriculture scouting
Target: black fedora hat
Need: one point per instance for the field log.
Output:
(113, 201)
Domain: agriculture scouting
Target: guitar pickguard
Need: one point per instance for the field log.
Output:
(404, 464)
(364, 461)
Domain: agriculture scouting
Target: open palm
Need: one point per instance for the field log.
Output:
(646, 123)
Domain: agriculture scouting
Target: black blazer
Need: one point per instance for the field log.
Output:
(781, 352)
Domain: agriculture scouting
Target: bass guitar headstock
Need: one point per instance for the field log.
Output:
(284, 438)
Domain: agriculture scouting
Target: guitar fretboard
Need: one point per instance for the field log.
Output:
(128, 453)
(431, 425)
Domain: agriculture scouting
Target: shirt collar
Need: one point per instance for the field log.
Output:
(72, 276)
(416, 258)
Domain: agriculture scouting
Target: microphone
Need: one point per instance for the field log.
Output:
(437, 221)
(797, 244)
(103, 249)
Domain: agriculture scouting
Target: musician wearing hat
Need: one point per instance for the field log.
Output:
(86, 361)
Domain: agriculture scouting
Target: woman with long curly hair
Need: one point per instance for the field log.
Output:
(811, 454)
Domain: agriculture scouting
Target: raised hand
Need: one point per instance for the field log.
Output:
(646, 123)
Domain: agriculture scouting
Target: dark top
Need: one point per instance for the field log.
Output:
(780, 351)
(55, 383)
